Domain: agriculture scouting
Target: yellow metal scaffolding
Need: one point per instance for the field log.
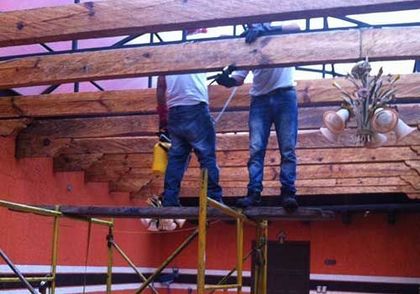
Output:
(56, 214)
(259, 283)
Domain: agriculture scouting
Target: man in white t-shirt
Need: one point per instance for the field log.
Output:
(190, 127)
(273, 101)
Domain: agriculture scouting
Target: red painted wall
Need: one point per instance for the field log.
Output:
(26, 238)
(368, 246)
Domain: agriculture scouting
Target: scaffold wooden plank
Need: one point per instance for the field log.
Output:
(192, 212)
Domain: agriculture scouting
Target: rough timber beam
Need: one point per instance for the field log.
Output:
(110, 18)
(144, 101)
(309, 118)
(44, 146)
(292, 49)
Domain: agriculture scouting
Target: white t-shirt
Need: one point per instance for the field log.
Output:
(268, 79)
(187, 89)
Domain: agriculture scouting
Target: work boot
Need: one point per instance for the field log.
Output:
(289, 202)
(253, 198)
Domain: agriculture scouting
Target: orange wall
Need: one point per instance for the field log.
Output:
(368, 246)
(26, 238)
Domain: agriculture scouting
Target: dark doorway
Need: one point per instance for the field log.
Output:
(288, 267)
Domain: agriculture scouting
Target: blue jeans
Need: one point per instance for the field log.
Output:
(278, 107)
(190, 127)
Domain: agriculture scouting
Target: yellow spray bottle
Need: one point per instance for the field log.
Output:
(160, 157)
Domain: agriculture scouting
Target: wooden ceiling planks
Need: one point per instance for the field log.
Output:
(291, 49)
(110, 18)
(366, 178)
(305, 171)
(230, 158)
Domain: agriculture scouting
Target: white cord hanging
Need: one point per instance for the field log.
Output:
(232, 94)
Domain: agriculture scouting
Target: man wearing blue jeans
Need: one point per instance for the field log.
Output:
(273, 101)
(190, 127)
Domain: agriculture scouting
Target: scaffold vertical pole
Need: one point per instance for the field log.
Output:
(202, 223)
(110, 237)
(256, 263)
(260, 264)
(239, 252)
(54, 251)
(264, 236)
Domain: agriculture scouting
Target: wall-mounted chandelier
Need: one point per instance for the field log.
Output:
(370, 104)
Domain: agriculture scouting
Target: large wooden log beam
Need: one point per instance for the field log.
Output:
(293, 49)
(309, 118)
(108, 18)
(143, 101)
(53, 147)
(79, 104)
